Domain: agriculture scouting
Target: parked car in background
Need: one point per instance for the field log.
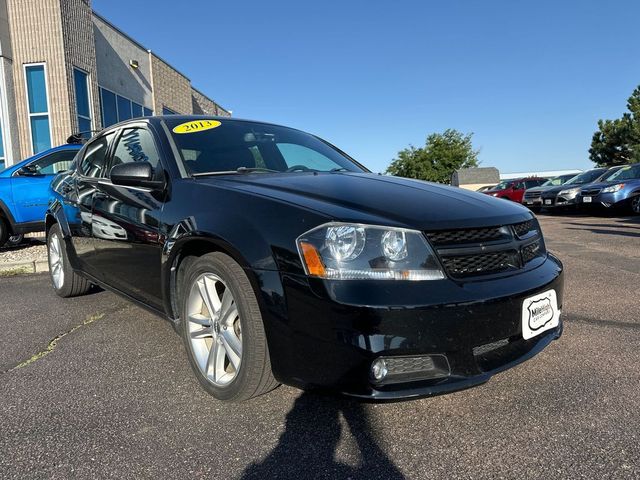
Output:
(24, 192)
(564, 196)
(533, 196)
(621, 190)
(514, 189)
(279, 258)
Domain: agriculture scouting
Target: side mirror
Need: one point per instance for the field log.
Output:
(29, 171)
(135, 174)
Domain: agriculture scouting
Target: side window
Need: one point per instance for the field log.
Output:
(54, 163)
(532, 183)
(136, 145)
(95, 157)
(300, 155)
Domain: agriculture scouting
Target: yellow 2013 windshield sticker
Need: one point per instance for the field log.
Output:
(196, 126)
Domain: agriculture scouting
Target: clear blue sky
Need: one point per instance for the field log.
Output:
(529, 79)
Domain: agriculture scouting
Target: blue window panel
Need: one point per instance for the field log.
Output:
(36, 89)
(2, 167)
(40, 135)
(168, 111)
(148, 112)
(124, 109)
(136, 110)
(109, 112)
(84, 125)
(82, 93)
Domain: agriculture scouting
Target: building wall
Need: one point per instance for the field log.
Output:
(8, 117)
(171, 89)
(36, 36)
(201, 105)
(80, 52)
(114, 51)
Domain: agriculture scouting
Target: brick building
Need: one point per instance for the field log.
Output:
(65, 69)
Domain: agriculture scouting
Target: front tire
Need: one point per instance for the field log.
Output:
(222, 330)
(635, 204)
(4, 232)
(65, 281)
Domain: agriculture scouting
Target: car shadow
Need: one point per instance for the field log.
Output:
(607, 231)
(307, 447)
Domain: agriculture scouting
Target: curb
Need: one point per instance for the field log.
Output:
(23, 268)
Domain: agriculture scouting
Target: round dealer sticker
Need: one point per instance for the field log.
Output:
(196, 126)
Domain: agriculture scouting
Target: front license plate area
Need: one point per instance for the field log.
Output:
(539, 314)
(547, 202)
(586, 199)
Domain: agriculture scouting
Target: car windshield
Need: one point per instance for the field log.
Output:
(502, 186)
(218, 146)
(609, 173)
(631, 172)
(553, 182)
(585, 177)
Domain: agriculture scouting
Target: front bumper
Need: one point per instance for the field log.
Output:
(333, 331)
(559, 201)
(607, 200)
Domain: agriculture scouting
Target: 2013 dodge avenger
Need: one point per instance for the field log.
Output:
(280, 259)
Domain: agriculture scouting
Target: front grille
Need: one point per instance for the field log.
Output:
(462, 266)
(532, 195)
(590, 191)
(531, 251)
(472, 235)
(525, 228)
(486, 251)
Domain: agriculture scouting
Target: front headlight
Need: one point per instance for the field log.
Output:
(613, 188)
(569, 192)
(344, 251)
(494, 194)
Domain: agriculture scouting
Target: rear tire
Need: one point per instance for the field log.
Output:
(227, 348)
(65, 281)
(634, 203)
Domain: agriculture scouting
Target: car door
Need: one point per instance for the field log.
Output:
(30, 185)
(79, 194)
(126, 222)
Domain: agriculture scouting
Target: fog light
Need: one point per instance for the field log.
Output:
(402, 369)
(379, 369)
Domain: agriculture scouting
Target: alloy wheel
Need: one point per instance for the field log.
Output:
(56, 261)
(635, 204)
(214, 329)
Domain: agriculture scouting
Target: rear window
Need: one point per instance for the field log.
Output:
(219, 146)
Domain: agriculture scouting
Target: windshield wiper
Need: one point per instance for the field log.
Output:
(339, 169)
(237, 170)
(256, 169)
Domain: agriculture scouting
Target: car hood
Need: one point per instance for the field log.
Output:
(557, 189)
(541, 189)
(361, 197)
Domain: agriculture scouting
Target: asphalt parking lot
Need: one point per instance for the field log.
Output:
(95, 387)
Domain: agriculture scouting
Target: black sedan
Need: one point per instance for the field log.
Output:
(279, 258)
(565, 196)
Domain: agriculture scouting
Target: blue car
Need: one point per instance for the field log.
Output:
(24, 191)
(620, 191)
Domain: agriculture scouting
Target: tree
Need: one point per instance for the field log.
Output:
(617, 142)
(442, 154)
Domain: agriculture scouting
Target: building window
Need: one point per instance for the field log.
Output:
(116, 108)
(136, 110)
(83, 103)
(124, 108)
(168, 111)
(38, 107)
